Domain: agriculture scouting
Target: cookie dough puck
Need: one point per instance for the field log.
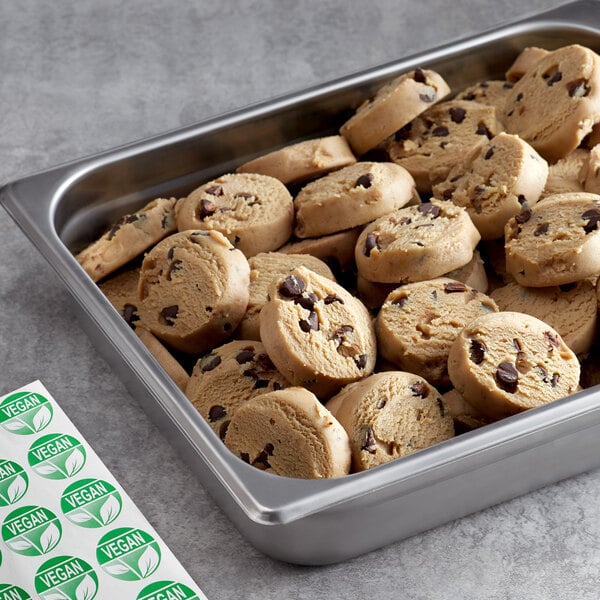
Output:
(350, 197)
(393, 106)
(254, 212)
(317, 334)
(289, 433)
(389, 415)
(416, 243)
(128, 238)
(304, 160)
(121, 291)
(193, 290)
(507, 362)
(555, 242)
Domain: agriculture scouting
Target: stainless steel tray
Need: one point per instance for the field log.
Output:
(309, 522)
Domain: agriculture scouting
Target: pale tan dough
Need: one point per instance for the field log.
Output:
(495, 182)
(567, 174)
(465, 416)
(166, 360)
(492, 93)
(527, 59)
(335, 250)
(389, 415)
(121, 291)
(317, 334)
(393, 106)
(555, 242)
(507, 362)
(264, 268)
(289, 433)
(254, 212)
(350, 197)
(229, 375)
(418, 323)
(556, 102)
(193, 290)
(128, 238)
(304, 160)
(571, 309)
(416, 243)
(439, 139)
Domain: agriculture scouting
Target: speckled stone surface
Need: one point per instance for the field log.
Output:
(82, 76)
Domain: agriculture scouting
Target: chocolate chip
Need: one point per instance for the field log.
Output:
(292, 286)
(223, 429)
(216, 413)
(522, 201)
(441, 407)
(400, 301)
(541, 229)
(556, 77)
(171, 253)
(307, 302)
(507, 377)
(592, 217)
(244, 356)
(443, 145)
(507, 86)
(261, 383)
(483, 130)
(165, 222)
(448, 193)
(381, 402)
(264, 362)
(276, 385)
(364, 180)
(369, 444)
(175, 266)
(122, 221)
(419, 389)
(517, 345)
(168, 315)
(331, 298)
(429, 209)
(489, 153)
(519, 97)
(552, 340)
(403, 133)
(251, 372)
(310, 324)
(567, 287)
(578, 88)
(441, 131)
(214, 190)
(236, 240)
(361, 361)
(555, 378)
(469, 96)
(428, 96)
(130, 313)
(479, 189)
(454, 286)
(371, 243)
(477, 351)
(209, 362)
(455, 178)
(206, 208)
(419, 76)
(523, 217)
(457, 114)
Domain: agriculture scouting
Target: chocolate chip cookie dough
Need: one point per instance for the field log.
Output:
(567, 174)
(350, 197)
(491, 93)
(555, 242)
(121, 290)
(193, 290)
(393, 106)
(128, 238)
(304, 160)
(229, 375)
(419, 322)
(289, 433)
(389, 415)
(416, 243)
(254, 212)
(507, 362)
(317, 334)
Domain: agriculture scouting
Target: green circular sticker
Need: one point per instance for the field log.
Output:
(91, 503)
(167, 590)
(56, 456)
(66, 578)
(13, 592)
(25, 413)
(31, 531)
(13, 482)
(128, 553)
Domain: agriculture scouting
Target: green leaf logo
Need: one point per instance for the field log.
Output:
(91, 503)
(25, 413)
(13, 482)
(12, 592)
(31, 530)
(66, 578)
(56, 456)
(128, 553)
(167, 590)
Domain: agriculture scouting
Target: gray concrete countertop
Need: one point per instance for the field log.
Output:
(82, 76)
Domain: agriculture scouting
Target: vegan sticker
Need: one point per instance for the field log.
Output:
(128, 553)
(91, 503)
(31, 530)
(167, 590)
(56, 456)
(25, 413)
(13, 482)
(66, 578)
(12, 592)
